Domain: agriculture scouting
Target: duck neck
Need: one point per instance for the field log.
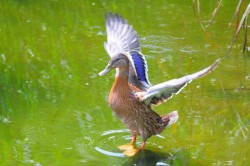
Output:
(121, 80)
(123, 72)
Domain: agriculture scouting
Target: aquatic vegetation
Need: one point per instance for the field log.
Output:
(243, 23)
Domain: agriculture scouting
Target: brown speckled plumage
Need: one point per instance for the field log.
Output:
(135, 115)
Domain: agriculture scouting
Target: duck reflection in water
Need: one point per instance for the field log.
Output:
(150, 158)
(132, 95)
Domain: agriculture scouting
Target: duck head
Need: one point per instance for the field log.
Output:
(117, 61)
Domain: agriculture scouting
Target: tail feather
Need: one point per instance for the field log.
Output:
(170, 118)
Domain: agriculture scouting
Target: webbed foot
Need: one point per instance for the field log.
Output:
(127, 147)
(130, 149)
(131, 152)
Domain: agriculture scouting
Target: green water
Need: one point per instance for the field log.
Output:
(53, 106)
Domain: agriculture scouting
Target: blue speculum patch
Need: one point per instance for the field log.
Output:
(139, 67)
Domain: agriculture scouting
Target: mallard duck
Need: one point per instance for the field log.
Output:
(132, 95)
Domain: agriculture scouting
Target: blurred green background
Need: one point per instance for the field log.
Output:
(53, 106)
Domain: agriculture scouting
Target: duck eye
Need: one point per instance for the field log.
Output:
(118, 59)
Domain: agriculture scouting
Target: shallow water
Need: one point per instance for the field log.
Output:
(53, 106)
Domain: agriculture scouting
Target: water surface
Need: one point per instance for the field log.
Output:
(53, 106)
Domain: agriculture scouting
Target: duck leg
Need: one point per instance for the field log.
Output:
(131, 145)
(133, 139)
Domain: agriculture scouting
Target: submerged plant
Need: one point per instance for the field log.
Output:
(243, 22)
(198, 13)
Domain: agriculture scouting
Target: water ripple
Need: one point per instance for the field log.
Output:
(109, 153)
(114, 131)
(110, 139)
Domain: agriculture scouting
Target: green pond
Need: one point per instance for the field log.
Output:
(54, 108)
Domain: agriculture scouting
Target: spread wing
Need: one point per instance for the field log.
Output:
(162, 92)
(122, 38)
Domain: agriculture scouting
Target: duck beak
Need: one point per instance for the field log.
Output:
(106, 70)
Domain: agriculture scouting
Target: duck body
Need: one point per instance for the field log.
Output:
(135, 115)
(132, 95)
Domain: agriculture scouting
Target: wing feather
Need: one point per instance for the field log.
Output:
(162, 92)
(122, 38)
